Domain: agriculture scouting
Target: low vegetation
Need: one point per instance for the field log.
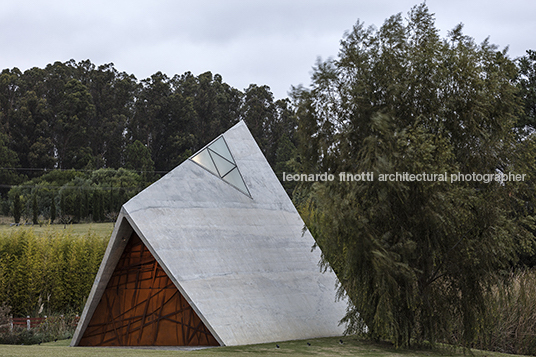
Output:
(48, 273)
(325, 347)
(49, 269)
(103, 230)
(53, 328)
(510, 322)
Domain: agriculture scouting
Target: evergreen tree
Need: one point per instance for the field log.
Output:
(97, 205)
(413, 257)
(71, 127)
(8, 162)
(17, 207)
(35, 210)
(63, 209)
(257, 112)
(52, 211)
(284, 156)
(138, 158)
(527, 89)
(85, 203)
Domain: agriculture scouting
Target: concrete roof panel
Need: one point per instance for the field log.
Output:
(242, 262)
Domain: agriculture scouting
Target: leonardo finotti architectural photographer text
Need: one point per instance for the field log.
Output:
(405, 177)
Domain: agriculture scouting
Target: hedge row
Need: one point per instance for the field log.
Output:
(50, 273)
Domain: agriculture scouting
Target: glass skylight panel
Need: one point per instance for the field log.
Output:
(220, 147)
(217, 159)
(235, 179)
(204, 159)
(222, 165)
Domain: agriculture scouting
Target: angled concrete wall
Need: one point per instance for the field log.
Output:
(241, 261)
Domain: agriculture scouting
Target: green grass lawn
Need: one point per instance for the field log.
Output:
(319, 347)
(101, 229)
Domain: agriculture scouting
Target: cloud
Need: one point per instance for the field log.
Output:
(263, 42)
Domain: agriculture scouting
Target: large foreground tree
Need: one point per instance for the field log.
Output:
(415, 258)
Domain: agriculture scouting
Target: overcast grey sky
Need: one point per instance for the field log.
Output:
(273, 42)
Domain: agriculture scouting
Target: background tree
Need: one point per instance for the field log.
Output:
(9, 95)
(285, 156)
(17, 207)
(52, 211)
(413, 257)
(272, 124)
(257, 112)
(8, 163)
(216, 105)
(71, 126)
(76, 115)
(113, 95)
(527, 89)
(138, 158)
(35, 210)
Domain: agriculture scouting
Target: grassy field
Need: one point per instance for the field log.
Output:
(324, 347)
(101, 229)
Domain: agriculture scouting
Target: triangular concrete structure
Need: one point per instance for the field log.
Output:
(213, 253)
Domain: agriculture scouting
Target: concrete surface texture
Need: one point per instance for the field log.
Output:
(238, 255)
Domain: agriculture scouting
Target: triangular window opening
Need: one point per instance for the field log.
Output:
(220, 146)
(223, 165)
(217, 159)
(204, 159)
(142, 307)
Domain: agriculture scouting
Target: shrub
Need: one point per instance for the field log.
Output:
(5, 311)
(510, 323)
(55, 328)
(48, 274)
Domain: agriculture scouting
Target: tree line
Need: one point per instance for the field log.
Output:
(73, 196)
(83, 117)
